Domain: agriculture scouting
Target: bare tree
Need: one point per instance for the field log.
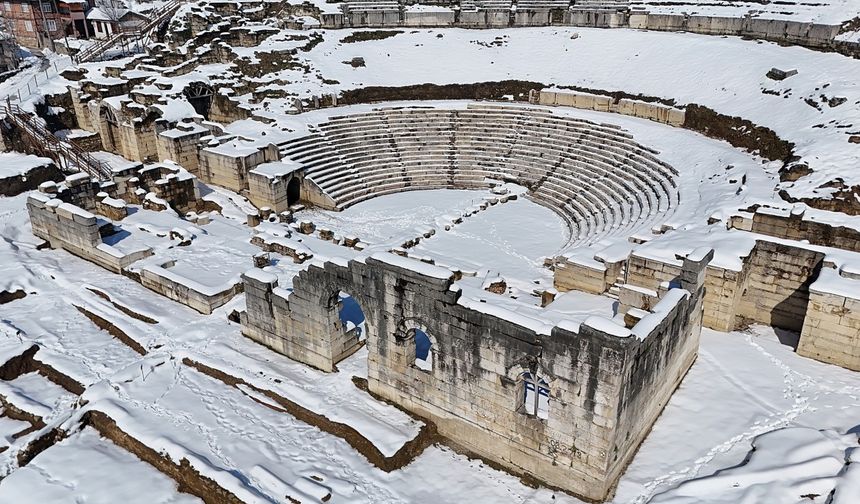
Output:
(113, 9)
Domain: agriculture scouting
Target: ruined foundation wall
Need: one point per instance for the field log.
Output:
(202, 298)
(593, 277)
(771, 288)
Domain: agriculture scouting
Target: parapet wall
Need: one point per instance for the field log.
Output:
(791, 223)
(646, 110)
(605, 383)
(785, 31)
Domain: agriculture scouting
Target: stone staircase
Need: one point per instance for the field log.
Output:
(125, 39)
(67, 156)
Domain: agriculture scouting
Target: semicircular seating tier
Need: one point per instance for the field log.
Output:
(595, 176)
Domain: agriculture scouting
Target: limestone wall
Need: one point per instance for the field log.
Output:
(269, 190)
(180, 145)
(653, 371)
(768, 29)
(474, 385)
(791, 224)
(203, 298)
(831, 330)
(76, 230)
(794, 32)
(228, 167)
(771, 288)
(592, 276)
(646, 110)
(777, 286)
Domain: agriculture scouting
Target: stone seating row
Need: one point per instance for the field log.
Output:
(595, 176)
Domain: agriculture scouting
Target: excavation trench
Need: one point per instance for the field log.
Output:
(26, 362)
(128, 311)
(112, 329)
(403, 456)
(188, 478)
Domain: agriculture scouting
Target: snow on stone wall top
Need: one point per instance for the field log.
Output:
(419, 267)
(276, 169)
(13, 164)
(649, 323)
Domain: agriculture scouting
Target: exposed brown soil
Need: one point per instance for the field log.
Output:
(16, 413)
(8, 297)
(39, 445)
(27, 363)
(124, 309)
(363, 36)
(844, 200)
(187, 477)
(404, 456)
(739, 132)
(477, 91)
(113, 330)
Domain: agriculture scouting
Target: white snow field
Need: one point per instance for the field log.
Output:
(743, 385)
(83, 349)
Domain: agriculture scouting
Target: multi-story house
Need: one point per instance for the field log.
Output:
(34, 23)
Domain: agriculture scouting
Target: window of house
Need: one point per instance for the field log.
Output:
(423, 350)
(28, 25)
(535, 396)
(25, 7)
(7, 7)
(52, 25)
(46, 7)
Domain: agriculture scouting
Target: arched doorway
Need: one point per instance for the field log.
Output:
(199, 95)
(423, 350)
(293, 191)
(351, 316)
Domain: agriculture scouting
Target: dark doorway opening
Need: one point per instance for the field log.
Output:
(199, 95)
(293, 191)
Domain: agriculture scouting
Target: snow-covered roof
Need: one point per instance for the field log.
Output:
(97, 14)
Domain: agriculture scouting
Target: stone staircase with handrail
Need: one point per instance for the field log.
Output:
(68, 156)
(134, 35)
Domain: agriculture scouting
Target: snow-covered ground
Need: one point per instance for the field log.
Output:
(831, 12)
(747, 389)
(723, 73)
(743, 385)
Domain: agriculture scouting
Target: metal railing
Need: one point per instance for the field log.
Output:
(135, 35)
(26, 89)
(67, 155)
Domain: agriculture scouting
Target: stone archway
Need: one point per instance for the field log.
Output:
(199, 95)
